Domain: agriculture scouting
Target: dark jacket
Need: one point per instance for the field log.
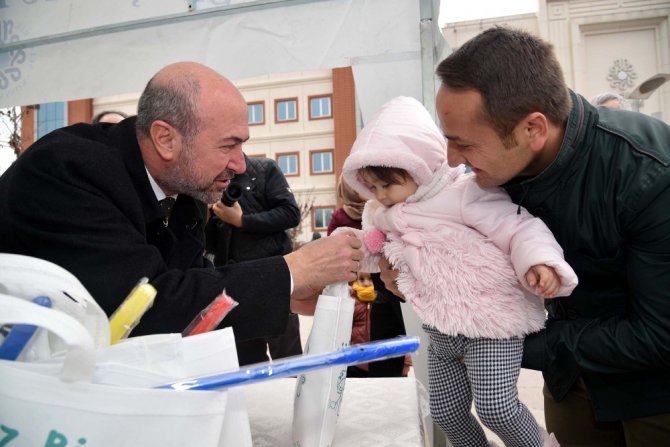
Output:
(269, 209)
(606, 198)
(80, 197)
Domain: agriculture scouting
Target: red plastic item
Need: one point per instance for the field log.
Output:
(211, 316)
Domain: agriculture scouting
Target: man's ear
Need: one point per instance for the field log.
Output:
(536, 130)
(166, 140)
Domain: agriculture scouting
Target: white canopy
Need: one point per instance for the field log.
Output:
(72, 49)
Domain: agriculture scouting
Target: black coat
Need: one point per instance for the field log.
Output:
(269, 210)
(80, 197)
(606, 198)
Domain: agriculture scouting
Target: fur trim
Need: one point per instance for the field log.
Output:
(442, 178)
(456, 294)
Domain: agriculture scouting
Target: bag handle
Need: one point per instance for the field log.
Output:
(26, 277)
(79, 361)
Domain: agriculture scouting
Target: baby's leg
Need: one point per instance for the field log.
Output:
(493, 369)
(450, 395)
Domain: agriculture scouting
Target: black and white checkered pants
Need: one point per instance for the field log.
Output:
(489, 374)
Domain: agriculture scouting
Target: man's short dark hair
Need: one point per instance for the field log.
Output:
(515, 72)
(173, 102)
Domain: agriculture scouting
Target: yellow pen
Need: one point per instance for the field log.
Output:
(128, 314)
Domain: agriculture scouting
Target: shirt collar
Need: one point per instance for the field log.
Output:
(160, 195)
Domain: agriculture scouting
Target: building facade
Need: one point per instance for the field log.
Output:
(603, 46)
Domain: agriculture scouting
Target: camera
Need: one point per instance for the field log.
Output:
(232, 194)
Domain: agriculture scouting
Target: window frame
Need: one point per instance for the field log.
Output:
(313, 216)
(255, 103)
(42, 107)
(297, 156)
(322, 151)
(297, 111)
(309, 106)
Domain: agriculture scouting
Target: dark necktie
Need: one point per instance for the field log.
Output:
(166, 206)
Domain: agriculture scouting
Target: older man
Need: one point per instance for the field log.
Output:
(89, 198)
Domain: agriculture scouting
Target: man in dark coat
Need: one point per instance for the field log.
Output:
(253, 224)
(600, 180)
(86, 197)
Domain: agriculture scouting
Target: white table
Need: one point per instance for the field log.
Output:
(375, 412)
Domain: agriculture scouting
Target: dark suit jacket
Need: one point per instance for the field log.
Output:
(80, 197)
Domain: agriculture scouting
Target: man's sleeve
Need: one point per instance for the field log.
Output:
(639, 340)
(83, 214)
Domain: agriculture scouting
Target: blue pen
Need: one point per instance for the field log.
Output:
(19, 336)
(360, 353)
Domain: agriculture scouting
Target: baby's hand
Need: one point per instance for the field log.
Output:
(544, 280)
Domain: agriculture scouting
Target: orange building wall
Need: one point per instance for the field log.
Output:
(344, 116)
(28, 119)
(80, 111)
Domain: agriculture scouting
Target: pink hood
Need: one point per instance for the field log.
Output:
(401, 134)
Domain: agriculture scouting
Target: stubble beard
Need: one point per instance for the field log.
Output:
(185, 178)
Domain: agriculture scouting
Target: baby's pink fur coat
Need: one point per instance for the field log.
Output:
(462, 251)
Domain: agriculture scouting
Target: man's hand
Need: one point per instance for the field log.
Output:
(328, 260)
(230, 214)
(544, 280)
(389, 276)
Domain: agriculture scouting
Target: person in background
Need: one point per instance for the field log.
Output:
(474, 266)
(252, 227)
(363, 291)
(611, 100)
(109, 116)
(93, 200)
(351, 211)
(384, 315)
(600, 180)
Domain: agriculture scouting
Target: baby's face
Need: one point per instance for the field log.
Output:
(364, 279)
(389, 194)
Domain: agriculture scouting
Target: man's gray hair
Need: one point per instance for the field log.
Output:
(174, 102)
(602, 98)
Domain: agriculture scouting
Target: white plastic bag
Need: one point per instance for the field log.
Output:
(40, 409)
(319, 394)
(27, 277)
(155, 359)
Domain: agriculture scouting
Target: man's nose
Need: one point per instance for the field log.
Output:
(237, 162)
(454, 158)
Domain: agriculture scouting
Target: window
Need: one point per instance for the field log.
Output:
(321, 217)
(319, 107)
(50, 116)
(286, 110)
(256, 113)
(321, 162)
(288, 163)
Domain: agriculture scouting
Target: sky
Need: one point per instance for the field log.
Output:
(461, 10)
